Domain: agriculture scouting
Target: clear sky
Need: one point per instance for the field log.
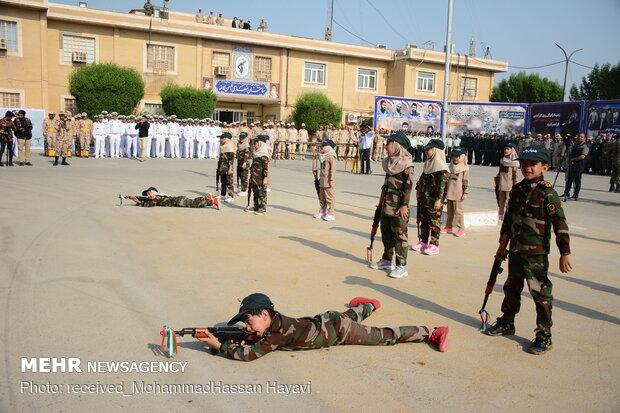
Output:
(521, 32)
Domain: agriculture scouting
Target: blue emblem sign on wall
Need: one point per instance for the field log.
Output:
(242, 66)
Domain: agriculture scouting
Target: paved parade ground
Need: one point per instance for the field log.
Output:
(83, 277)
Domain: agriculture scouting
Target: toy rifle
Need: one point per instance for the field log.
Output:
(249, 196)
(217, 181)
(315, 172)
(500, 256)
(234, 334)
(139, 198)
(418, 214)
(496, 181)
(375, 225)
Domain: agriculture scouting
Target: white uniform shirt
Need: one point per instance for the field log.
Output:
(100, 129)
(173, 129)
(130, 129)
(366, 140)
(115, 127)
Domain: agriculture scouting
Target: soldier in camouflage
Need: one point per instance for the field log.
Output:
(279, 332)
(225, 166)
(398, 167)
(534, 208)
(243, 164)
(259, 174)
(431, 193)
(151, 198)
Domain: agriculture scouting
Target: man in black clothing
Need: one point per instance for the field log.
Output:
(23, 133)
(143, 126)
(246, 25)
(7, 128)
(577, 163)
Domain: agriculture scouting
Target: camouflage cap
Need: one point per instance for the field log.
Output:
(225, 135)
(535, 153)
(256, 301)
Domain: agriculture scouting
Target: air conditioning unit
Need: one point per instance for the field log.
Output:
(78, 57)
(221, 71)
(352, 118)
(4, 43)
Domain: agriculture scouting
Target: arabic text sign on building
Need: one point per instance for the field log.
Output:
(242, 88)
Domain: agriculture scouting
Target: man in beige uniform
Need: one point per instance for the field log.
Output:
(85, 135)
(63, 139)
(210, 18)
(50, 133)
(256, 130)
(318, 135)
(302, 137)
(244, 128)
(291, 137)
(273, 137)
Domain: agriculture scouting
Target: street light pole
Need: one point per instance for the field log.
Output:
(446, 81)
(567, 56)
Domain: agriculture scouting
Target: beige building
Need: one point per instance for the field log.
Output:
(256, 75)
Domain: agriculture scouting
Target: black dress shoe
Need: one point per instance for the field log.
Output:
(28, 164)
(21, 164)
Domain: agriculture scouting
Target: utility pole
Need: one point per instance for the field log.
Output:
(567, 56)
(446, 82)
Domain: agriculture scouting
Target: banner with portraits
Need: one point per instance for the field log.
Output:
(603, 117)
(412, 115)
(486, 118)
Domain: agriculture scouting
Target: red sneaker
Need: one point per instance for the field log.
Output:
(216, 203)
(439, 337)
(446, 230)
(209, 197)
(361, 300)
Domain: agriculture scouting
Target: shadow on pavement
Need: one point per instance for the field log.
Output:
(590, 284)
(325, 249)
(609, 241)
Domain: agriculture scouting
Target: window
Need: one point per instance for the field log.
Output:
(10, 100)
(71, 106)
(469, 87)
(314, 73)
(71, 44)
(366, 79)
(426, 81)
(8, 31)
(262, 68)
(160, 58)
(220, 60)
(154, 109)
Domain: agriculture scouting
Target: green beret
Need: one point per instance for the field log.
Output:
(225, 135)
(536, 153)
(435, 143)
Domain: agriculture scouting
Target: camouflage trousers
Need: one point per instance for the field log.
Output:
(533, 269)
(394, 238)
(62, 145)
(259, 192)
(615, 176)
(227, 185)
(185, 202)
(242, 175)
(430, 224)
(345, 328)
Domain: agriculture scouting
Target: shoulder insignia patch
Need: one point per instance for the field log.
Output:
(552, 209)
(545, 184)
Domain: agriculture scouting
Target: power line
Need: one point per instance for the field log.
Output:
(537, 67)
(391, 26)
(579, 64)
(353, 34)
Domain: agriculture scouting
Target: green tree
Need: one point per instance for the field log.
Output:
(187, 101)
(315, 109)
(602, 83)
(524, 88)
(106, 86)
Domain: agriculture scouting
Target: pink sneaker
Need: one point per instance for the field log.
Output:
(209, 197)
(329, 217)
(320, 215)
(459, 233)
(431, 250)
(439, 337)
(216, 203)
(419, 246)
(446, 230)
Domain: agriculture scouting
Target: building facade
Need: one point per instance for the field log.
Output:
(256, 75)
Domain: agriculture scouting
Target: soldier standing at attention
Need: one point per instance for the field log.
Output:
(243, 163)
(326, 181)
(431, 192)
(331, 328)
(291, 138)
(259, 174)
(85, 134)
(50, 131)
(398, 167)
(281, 146)
(63, 141)
(318, 135)
(302, 136)
(534, 207)
(506, 177)
(225, 166)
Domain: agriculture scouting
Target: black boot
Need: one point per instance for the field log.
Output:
(56, 161)
(64, 161)
(501, 328)
(541, 344)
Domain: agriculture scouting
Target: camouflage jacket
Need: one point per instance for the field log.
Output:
(243, 156)
(532, 210)
(164, 201)
(286, 333)
(397, 191)
(259, 170)
(225, 163)
(431, 187)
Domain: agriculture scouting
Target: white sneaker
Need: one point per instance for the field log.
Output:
(268, 189)
(229, 199)
(320, 215)
(242, 193)
(329, 217)
(399, 272)
(382, 265)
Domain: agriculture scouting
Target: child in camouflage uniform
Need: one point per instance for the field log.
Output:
(398, 167)
(225, 166)
(151, 198)
(243, 164)
(259, 174)
(534, 207)
(278, 331)
(431, 192)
